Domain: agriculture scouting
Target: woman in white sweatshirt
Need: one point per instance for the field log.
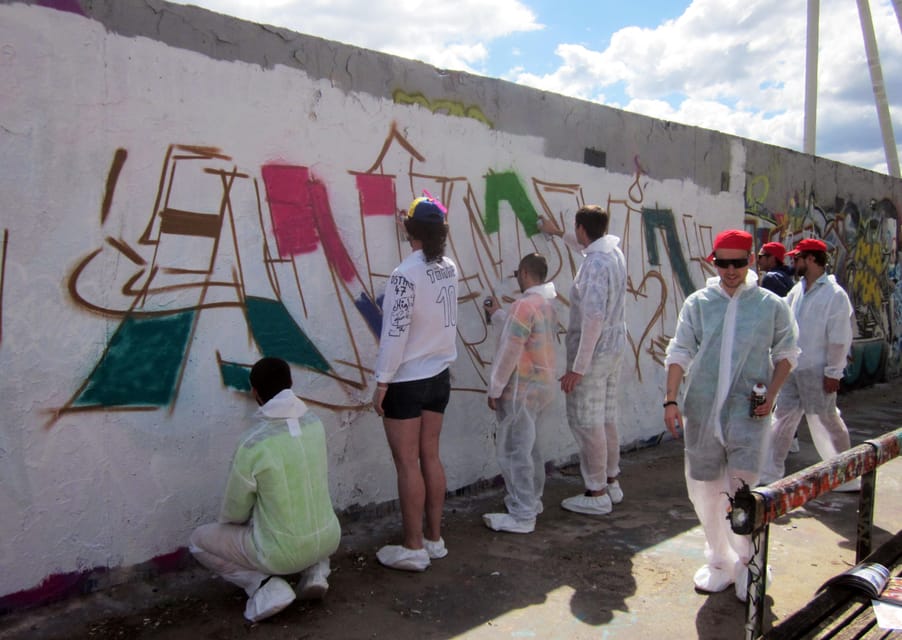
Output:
(413, 383)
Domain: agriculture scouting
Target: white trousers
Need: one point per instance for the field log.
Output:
(227, 550)
(724, 549)
(519, 458)
(828, 432)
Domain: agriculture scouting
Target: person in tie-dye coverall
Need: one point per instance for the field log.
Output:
(521, 387)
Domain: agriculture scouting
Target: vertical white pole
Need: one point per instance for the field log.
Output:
(886, 124)
(810, 128)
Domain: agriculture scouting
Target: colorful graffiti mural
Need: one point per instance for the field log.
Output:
(864, 249)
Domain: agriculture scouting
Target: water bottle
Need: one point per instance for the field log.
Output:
(757, 398)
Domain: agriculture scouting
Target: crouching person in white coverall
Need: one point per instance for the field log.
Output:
(521, 387)
(731, 335)
(276, 517)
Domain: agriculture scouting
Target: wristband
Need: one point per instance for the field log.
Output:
(669, 402)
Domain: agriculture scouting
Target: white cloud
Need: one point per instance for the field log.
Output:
(738, 66)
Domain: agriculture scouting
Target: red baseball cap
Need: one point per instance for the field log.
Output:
(774, 249)
(732, 239)
(808, 244)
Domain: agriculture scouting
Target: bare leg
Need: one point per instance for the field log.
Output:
(404, 441)
(433, 473)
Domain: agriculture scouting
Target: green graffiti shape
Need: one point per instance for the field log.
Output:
(508, 187)
(653, 219)
(141, 364)
(279, 336)
(235, 376)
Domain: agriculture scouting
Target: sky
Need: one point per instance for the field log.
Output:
(736, 66)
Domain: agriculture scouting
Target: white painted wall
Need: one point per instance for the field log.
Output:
(114, 487)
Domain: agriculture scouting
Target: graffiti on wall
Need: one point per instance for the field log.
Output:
(222, 238)
(863, 241)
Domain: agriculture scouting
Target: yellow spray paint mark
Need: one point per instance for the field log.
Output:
(450, 107)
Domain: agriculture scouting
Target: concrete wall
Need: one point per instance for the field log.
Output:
(181, 192)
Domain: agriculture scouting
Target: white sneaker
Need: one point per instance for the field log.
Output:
(711, 579)
(615, 492)
(589, 505)
(271, 597)
(436, 549)
(507, 522)
(313, 584)
(399, 557)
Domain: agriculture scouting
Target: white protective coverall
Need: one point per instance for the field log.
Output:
(596, 340)
(523, 380)
(277, 516)
(824, 315)
(726, 345)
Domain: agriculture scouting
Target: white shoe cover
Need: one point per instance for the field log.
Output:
(794, 447)
(589, 505)
(742, 581)
(436, 549)
(507, 522)
(615, 492)
(711, 579)
(399, 557)
(313, 584)
(269, 599)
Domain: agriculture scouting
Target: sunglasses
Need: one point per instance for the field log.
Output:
(726, 263)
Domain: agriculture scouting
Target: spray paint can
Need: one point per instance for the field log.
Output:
(757, 398)
(487, 303)
(545, 234)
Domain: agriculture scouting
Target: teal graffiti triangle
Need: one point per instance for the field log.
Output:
(235, 376)
(508, 187)
(141, 364)
(279, 336)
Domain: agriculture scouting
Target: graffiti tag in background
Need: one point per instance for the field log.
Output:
(863, 241)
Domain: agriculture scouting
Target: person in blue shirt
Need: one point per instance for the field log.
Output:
(777, 276)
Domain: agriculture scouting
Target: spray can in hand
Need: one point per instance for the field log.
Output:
(757, 398)
(487, 303)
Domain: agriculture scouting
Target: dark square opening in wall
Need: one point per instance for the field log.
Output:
(595, 158)
(724, 181)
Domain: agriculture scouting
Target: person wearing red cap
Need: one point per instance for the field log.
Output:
(824, 315)
(777, 276)
(731, 335)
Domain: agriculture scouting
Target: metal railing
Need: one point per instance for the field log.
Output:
(752, 510)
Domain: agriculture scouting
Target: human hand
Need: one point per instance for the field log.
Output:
(765, 407)
(831, 385)
(493, 403)
(492, 305)
(378, 397)
(673, 420)
(569, 381)
(547, 225)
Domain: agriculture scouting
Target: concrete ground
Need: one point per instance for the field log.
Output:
(625, 575)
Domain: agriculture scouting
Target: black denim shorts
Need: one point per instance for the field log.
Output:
(405, 400)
